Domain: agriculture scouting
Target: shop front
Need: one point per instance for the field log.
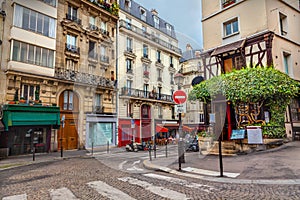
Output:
(101, 130)
(28, 128)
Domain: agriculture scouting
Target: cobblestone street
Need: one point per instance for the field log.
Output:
(77, 175)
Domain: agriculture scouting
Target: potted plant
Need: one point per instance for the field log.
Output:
(22, 100)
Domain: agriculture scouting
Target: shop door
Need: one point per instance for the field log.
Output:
(68, 102)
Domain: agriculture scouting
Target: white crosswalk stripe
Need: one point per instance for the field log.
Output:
(109, 191)
(16, 197)
(209, 172)
(62, 194)
(203, 187)
(161, 191)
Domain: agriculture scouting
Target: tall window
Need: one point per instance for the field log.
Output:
(92, 50)
(71, 43)
(286, 63)
(33, 21)
(92, 23)
(159, 73)
(160, 112)
(127, 5)
(283, 24)
(156, 22)
(29, 92)
(146, 87)
(72, 13)
(145, 51)
(50, 2)
(129, 44)
(68, 100)
(158, 56)
(129, 86)
(129, 65)
(172, 78)
(144, 29)
(146, 70)
(143, 14)
(231, 27)
(128, 23)
(31, 54)
(171, 61)
(103, 27)
(169, 29)
(97, 103)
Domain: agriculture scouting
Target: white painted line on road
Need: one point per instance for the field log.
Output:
(16, 197)
(203, 187)
(62, 194)
(134, 168)
(163, 192)
(209, 172)
(121, 164)
(136, 162)
(109, 191)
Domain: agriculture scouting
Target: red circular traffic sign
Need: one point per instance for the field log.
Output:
(179, 97)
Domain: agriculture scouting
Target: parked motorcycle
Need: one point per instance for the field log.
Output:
(192, 145)
(134, 146)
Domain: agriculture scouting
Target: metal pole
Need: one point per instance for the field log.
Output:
(150, 152)
(107, 146)
(92, 148)
(166, 148)
(33, 153)
(220, 156)
(154, 146)
(61, 148)
(180, 144)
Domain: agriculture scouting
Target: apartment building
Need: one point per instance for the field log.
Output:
(27, 74)
(85, 72)
(148, 60)
(237, 33)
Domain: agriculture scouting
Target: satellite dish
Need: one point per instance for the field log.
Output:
(197, 80)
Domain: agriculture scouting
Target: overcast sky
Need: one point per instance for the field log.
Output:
(185, 16)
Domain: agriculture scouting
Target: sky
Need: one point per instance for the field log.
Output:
(185, 16)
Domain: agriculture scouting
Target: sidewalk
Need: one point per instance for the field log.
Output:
(275, 166)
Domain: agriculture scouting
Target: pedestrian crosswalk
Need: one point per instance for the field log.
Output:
(113, 193)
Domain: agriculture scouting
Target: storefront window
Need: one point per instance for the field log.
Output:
(100, 134)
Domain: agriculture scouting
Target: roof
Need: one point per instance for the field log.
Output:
(228, 47)
(189, 55)
(135, 11)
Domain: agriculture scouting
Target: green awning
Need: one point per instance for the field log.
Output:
(25, 115)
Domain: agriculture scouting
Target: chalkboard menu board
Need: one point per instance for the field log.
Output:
(237, 134)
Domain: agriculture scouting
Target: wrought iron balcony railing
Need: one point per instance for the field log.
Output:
(81, 77)
(93, 27)
(104, 59)
(227, 3)
(135, 93)
(151, 37)
(72, 48)
(73, 18)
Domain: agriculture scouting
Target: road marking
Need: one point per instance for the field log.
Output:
(203, 187)
(134, 168)
(62, 194)
(209, 172)
(16, 197)
(121, 164)
(136, 162)
(163, 192)
(109, 191)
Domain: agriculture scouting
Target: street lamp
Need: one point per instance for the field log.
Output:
(179, 78)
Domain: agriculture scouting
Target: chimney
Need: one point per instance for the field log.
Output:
(197, 54)
(154, 12)
(189, 47)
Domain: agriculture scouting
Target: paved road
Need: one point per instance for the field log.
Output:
(87, 178)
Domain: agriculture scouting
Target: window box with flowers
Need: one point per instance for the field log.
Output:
(146, 74)
(227, 3)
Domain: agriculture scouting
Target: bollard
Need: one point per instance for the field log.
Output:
(33, 153)
(107, 146)
(166, 148)
(154, 150)
(150, 152)
(92, 148)
(61, 148)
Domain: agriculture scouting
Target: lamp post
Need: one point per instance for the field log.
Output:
(179, 78)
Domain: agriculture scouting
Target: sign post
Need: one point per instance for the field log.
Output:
(61, 135)
(179, 98)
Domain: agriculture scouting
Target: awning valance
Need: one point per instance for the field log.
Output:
(160, 129)
(228, 47)
(25, 115)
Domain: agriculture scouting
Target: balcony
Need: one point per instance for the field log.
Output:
(104, 59)
(72, 48)
(146, 74)
(159, 79)
(141, 94)
(104, 32)
(92, 27)
(153, 38)
(73, 18)
(227, 3)
(81, 77)
(93, 56)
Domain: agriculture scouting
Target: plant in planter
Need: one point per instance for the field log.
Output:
(22, 100)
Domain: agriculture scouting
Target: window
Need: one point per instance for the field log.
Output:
(129, 110)
(31, 20)
(231, 27)
(146, 87)
(127, 5)
(159, 73)
(129, 44)
(146, 71)
(50, 2)
(171, 61)
(68, 100)
(71, 43)
(172, 78)
(156, 22)
(286, 63)
(103, 27)
(129, 86)
(128, 23)
(169, 29)
(29, 92)
(226, 3)
(31, 54)
(144, 29)
(160, 111)
(145, 51)
(159, 92)
(92, 24)
(283, 24)
(92, 50)
(72, 13)
(97, 103)
(72, 65)
(103, 54)
(129, 65)
(158, 56)
(143, 14)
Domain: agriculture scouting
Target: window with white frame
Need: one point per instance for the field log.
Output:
(92, 23)
(68, 100)
(92, 50)
(128, 23)
(129, 109)
(169, 29)
(34, 21)
(156, 22)
(158, 56)
(129, 65)
(283, 24)
(129, 86)
(129, 44)
(287, 63)
(146, 88)
(231, 27)
(143, 14)
(71, 43)
(103, 54)
(146, 70)
(32, 54)
(127, 5)
(226, 3)
(97, 103)
(159, 74)
(145, 51)
(28, 92)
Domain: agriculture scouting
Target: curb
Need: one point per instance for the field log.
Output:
(149, 165)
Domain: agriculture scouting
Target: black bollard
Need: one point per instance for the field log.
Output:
(107, 146)
(61, 148)
(150, 152)
(33, 153)
(92, 148)
(166, 148)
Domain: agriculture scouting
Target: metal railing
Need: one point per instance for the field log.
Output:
(145, 94)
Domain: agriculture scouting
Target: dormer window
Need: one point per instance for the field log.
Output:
(156, 21)
(169, 29)
(143, 14)
(127, 5)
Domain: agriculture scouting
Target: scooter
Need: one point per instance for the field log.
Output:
(134, 146)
